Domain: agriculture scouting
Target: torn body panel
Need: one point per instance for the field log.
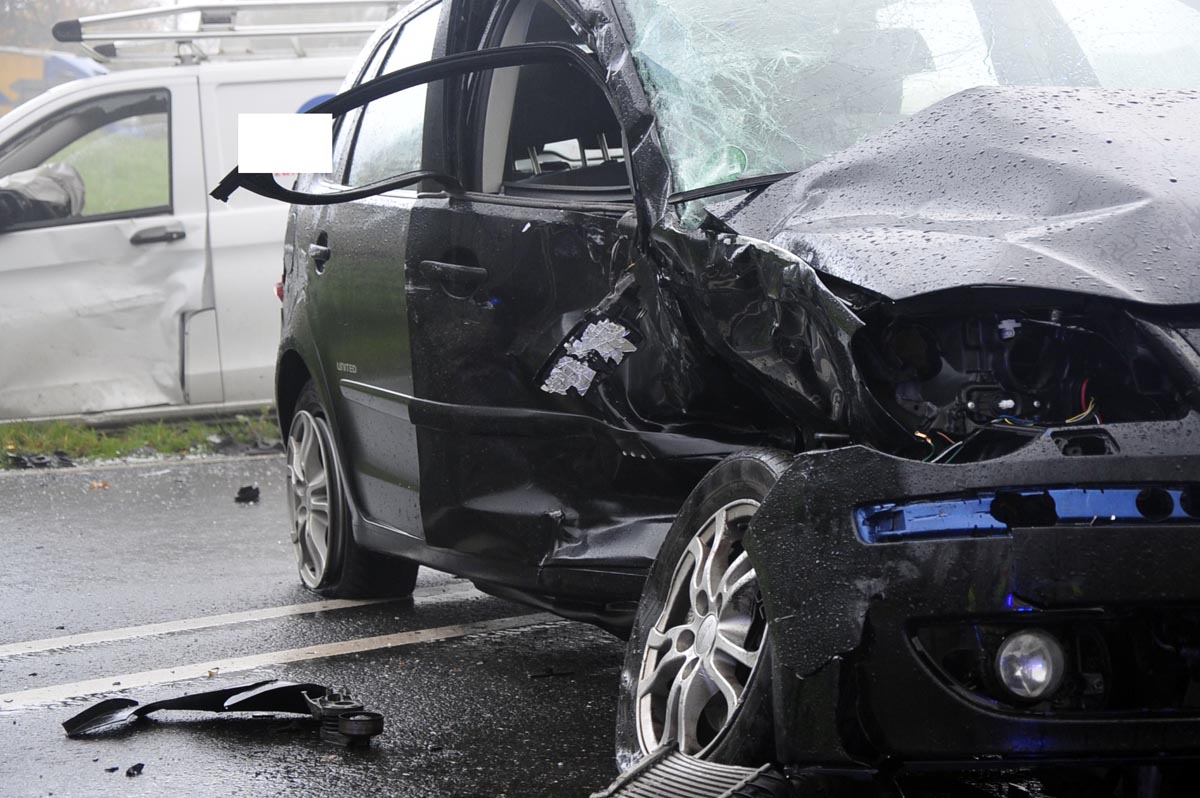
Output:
(553, 468)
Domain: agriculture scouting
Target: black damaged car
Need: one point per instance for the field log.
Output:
(844, 355)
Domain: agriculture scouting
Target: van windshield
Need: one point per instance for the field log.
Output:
(745, 88)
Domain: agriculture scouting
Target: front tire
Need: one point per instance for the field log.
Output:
(697, 666)
(329, 561)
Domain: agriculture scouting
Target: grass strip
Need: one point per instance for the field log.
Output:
(78, 441)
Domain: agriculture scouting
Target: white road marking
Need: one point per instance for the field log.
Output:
(28, 699)
(454, 590)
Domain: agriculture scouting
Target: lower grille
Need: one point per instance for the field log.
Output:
(670, 774)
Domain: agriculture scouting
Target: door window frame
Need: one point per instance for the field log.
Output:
(387, 46)
(450, 68)
(472, 132)
(139, 213)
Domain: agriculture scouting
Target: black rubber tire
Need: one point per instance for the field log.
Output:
(748, 739)
(353, 572)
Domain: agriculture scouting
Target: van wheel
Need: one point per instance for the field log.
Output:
(329, 561)
(697, 669)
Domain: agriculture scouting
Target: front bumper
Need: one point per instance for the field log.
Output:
(854, 681)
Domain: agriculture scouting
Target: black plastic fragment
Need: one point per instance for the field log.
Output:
(267, 696)
(55, 460)
(247, 494)
(344, 720)
(135, 770)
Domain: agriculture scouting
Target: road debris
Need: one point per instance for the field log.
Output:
(343, 720)
(135, 770)
(247, 494)
(58, 459)
(98, 484)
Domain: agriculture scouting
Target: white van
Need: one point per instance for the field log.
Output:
(146, 293)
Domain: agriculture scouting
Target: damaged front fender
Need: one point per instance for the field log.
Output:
(769, 313)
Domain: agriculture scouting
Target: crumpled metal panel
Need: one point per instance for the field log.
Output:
(67, 300)
(1078, 190)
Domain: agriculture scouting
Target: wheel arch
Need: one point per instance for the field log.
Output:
(291, 374)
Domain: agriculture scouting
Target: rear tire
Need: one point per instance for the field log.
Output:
(330, 562)
(698, 664)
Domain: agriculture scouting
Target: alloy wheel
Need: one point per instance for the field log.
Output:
(309, 497)
(702, 650)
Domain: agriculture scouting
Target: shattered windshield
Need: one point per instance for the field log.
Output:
(745, 88)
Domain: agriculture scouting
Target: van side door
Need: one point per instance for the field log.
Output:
(95, 294)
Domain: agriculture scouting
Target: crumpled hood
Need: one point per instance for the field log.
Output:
(1082, 190)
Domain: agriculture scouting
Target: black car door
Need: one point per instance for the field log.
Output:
(512, 292)
(497, 278)
(356, 254)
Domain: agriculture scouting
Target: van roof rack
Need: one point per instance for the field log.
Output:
(218, 20)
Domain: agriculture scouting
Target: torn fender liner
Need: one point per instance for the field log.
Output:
(667, 773)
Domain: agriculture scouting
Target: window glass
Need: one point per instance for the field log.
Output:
(108, 156)
(743, 88)
(125, 165)
(392, 128)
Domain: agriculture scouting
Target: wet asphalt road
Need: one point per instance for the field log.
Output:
(485, 711)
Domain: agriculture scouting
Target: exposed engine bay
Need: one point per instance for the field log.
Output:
(957, 380)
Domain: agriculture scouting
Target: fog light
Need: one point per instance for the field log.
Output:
(1030, 664)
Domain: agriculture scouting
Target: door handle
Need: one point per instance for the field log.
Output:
(319, 253)
(454, 273)
(457, 281)
(160, 233)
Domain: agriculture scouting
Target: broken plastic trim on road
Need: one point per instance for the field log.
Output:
(342, 720)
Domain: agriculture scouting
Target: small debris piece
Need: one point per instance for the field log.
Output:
(56, 460)
(247, 494)
(112, 769)
(212, 672)
(135, 770)
(343, 719)
(98, 484)
(550, 671)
